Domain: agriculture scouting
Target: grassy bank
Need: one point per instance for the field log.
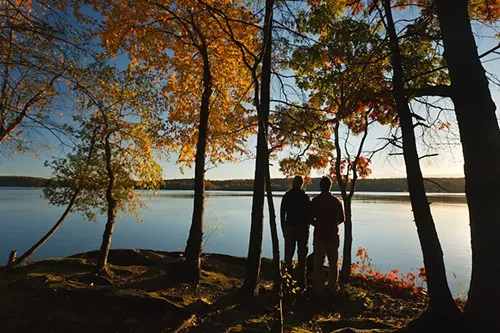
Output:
(144, 294)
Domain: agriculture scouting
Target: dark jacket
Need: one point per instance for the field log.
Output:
(294, 208)
(325, 215)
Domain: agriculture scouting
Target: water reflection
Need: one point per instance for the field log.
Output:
(359, 196)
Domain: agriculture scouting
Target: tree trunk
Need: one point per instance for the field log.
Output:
(480, 136)
(51, 232)
(110, 224)
(251, 283)
(194, 242)
(274, 234)
(252, 272)
(278, 286)
(345, 272)
(441, 303)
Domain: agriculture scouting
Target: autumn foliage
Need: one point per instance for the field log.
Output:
(168, 38)
(394, 282)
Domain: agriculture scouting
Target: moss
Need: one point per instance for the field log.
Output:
(217, 279)
(62, 266)
(298, 330)
(126, 270)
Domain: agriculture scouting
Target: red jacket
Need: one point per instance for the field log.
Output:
(325, 215)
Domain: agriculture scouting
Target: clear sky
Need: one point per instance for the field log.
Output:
(448, 163)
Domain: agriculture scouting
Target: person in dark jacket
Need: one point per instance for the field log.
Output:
(325, 215)
(294, 214)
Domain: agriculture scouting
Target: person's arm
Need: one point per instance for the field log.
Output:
(312, 217)
(283, 210)
(307, 205)
(341, 216)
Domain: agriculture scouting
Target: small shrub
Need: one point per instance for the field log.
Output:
(394, 282)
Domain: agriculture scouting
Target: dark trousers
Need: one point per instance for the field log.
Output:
(330, 249)
(297, 236)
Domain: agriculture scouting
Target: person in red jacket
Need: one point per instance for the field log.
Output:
(326, 214)
(294, 212)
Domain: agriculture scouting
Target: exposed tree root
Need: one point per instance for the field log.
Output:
(185, 324)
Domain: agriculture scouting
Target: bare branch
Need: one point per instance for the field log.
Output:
(427, 155)
(437, 184)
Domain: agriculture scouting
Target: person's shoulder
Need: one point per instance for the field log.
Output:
(317, 198)
(337, 200)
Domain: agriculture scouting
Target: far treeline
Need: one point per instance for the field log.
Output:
(439, 185)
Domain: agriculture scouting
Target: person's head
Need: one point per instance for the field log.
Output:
(297, 182)
(325, 184)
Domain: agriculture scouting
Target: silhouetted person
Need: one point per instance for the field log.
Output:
(325, 215)
(294, 213)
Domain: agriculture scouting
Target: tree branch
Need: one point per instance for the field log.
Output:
(427, 155)
(437, 184)
(439, 90)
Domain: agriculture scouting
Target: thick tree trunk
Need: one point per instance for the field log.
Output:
(194, 242)
(252, 272)
(251, 283)
(51, 232)
(110, 224)
(441, 303)
(480, 136)
(345, 272)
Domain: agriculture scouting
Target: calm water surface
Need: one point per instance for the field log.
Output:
(382, 223)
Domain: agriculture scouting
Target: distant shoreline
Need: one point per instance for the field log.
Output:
(435, 185)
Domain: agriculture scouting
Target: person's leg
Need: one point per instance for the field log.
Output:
(309, 268)
(302, 243)
(289, 248)
(318, 272)
(333, 257)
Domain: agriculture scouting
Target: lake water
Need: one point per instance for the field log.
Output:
(382, 223)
